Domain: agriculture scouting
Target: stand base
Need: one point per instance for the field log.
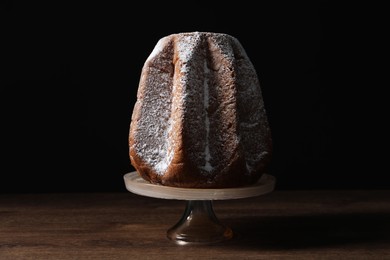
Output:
(198, 224)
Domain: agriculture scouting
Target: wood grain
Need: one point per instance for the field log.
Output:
(282, 224)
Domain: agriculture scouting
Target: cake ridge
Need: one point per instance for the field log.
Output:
(154, 104)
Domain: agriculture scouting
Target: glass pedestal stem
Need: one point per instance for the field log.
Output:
(199, 225)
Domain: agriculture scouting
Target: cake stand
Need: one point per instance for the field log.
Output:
(198, 224)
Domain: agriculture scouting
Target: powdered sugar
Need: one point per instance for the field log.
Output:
(207, 167)
(185, 47)
(152, 130)
(165, 153)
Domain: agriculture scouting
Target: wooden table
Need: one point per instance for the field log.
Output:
(281, 224)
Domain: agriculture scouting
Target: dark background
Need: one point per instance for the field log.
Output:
(71, 75)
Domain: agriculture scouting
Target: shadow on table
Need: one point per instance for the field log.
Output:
(309, 231)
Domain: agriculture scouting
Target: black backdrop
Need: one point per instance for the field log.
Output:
(72, 70)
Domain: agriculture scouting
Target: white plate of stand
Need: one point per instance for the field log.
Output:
(199, 224)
